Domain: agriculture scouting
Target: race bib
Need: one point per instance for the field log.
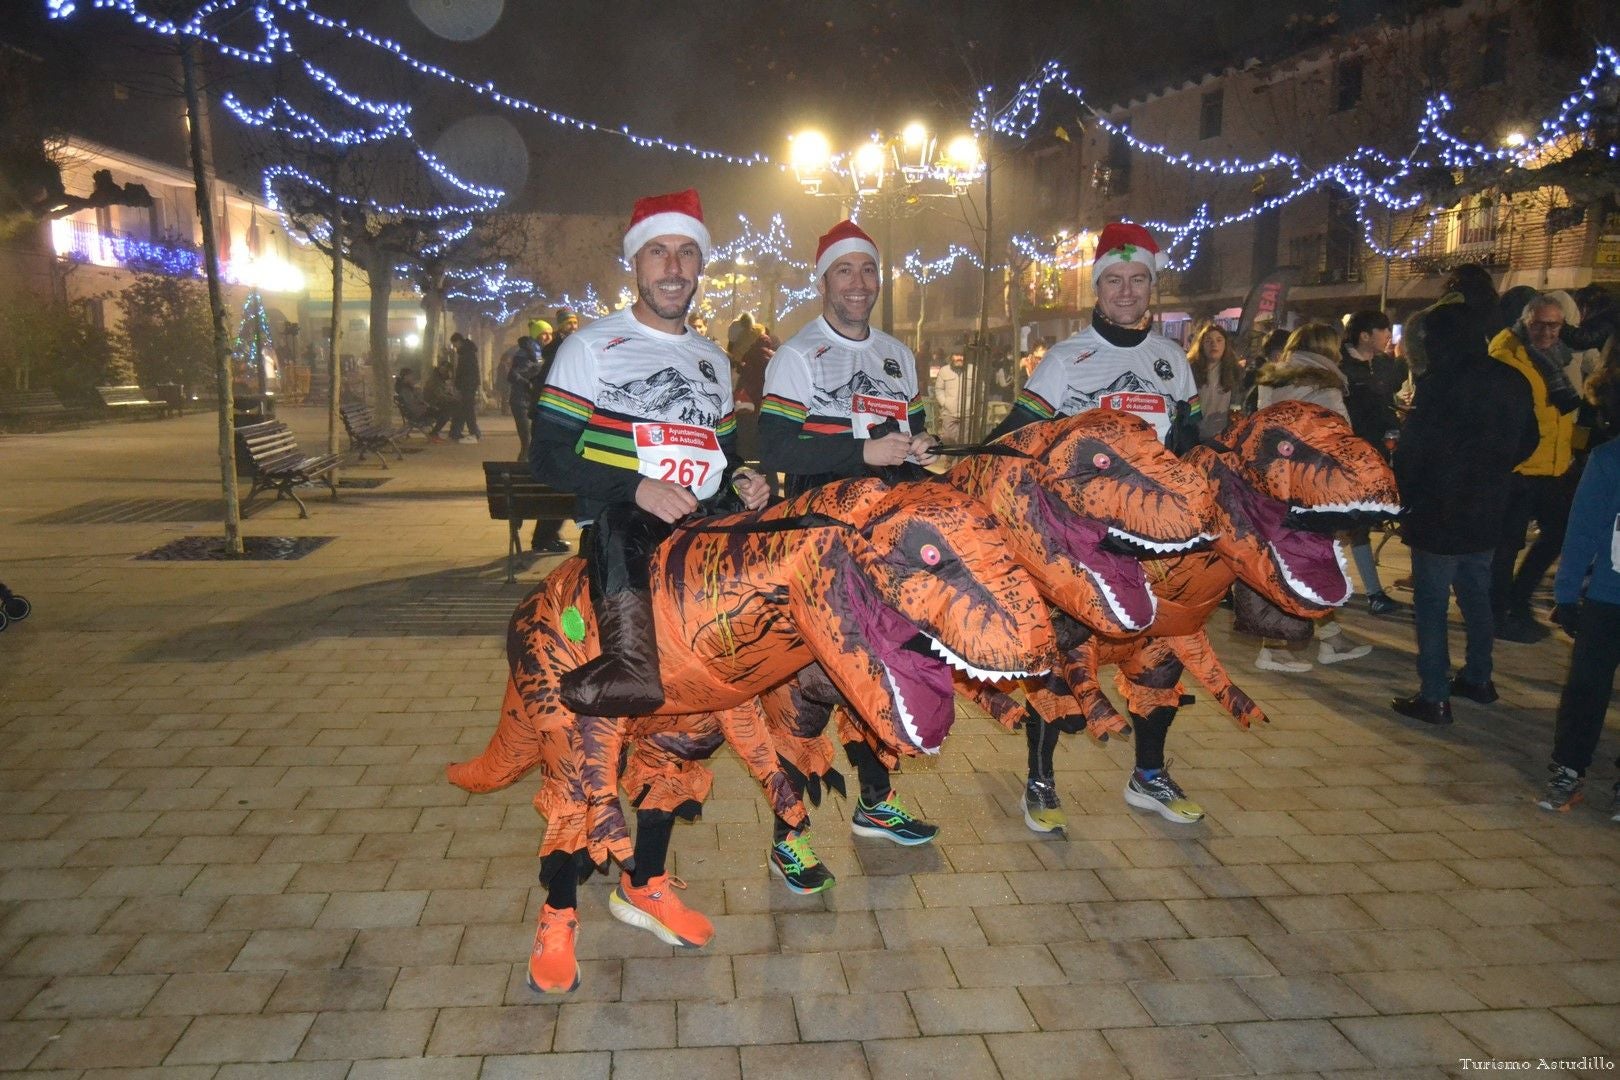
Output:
(866, 411)
(681, 454)
(1150, 407)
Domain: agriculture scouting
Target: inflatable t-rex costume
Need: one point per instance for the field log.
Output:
(887, 590)
(1284, 481)
(1080, 501)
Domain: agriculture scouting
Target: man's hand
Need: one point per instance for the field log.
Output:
(889, 450)
(752, 488)
(1567, 618)
(663, 500)
(922, 448)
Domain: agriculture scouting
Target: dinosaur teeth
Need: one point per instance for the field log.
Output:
(1305, 590)
(907, 721)
(1117, 608)
(1162, 547)
(972, 671)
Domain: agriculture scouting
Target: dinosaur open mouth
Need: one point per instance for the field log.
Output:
(917, 673)
(1310, 561)
(1106, 555)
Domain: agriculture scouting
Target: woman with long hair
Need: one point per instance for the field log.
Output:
(1214, 364)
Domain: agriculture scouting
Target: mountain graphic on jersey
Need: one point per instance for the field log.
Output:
(1076, 400)
(668, 395)
(837, 401)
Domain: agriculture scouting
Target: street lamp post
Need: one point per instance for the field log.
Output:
(893, 171)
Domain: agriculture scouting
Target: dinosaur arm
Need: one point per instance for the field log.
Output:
(1081, 663)
(1197, 654)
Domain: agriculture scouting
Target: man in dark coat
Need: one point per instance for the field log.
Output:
(1373, 378)
(1472, 422)
(469, 380)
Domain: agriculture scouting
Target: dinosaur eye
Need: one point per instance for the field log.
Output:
(930, 554)
(1102, 461)
(1285, 448)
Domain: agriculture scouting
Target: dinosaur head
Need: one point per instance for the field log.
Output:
(1083, 499)
(919, 585)
(1286, 479)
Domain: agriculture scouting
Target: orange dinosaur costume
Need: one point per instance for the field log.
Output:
(1081, 500)
(876, 585)
(1284, 480)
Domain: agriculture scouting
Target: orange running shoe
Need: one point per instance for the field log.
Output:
(552, 967)
(655, 907)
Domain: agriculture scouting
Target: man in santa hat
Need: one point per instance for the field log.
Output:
(841, 400)
(1115, 363)
(617, 391)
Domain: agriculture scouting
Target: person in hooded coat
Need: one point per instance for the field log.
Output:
(1472, 422)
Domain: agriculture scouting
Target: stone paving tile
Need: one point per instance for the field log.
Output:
(219, 1039)
(581, 1066)
(1404, 1041)
(446, 986)
(826, 1061)
(356, 1035)
(903, 1059)
(833, 1018)
(88, 1043)
(1195, 1001)
(1058, 1055)
(1274, 1046)
(490, 1030)
(363, 989)
(965, 1011)
(92, 995)
(213, 993)
(1172, 1052)
(745, 1021)
(615, 1026)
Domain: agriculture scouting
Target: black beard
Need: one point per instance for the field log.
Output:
(848, 318)
(650, 297)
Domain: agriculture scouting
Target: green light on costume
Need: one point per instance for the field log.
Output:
(573, 624)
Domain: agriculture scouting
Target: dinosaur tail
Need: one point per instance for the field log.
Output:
(513, 750)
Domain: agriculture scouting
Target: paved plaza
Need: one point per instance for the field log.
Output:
(230, 850)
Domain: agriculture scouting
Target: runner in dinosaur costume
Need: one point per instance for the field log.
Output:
(1285, 480)
(1082, 500)
(887, 590)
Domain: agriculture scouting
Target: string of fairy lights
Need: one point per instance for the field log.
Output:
(1375, 182)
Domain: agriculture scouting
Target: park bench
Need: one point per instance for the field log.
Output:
(424, 424)
(268, 453)
(366, 436)
(30, 407)
(515, 496)
(130, 401)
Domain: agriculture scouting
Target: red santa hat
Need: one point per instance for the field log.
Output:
(844, 238)
(1125, 242)
(678, 213)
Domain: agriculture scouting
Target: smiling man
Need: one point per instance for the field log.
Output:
(635, 419)
(841, 400)
(1117, 362)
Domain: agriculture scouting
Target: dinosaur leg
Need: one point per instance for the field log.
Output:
(602, 741)
(624, 679)
(1081, 667)
(1198, 655)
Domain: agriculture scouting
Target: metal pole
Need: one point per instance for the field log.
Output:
(888, 269)
(975, 418)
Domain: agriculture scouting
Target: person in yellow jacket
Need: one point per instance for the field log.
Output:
(1543, 484)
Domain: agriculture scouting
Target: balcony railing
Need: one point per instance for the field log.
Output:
(1467, 234)
(83, 241)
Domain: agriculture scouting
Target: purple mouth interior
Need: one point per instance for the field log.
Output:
(920, 678)
(1305, 557)
(1083, 540)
